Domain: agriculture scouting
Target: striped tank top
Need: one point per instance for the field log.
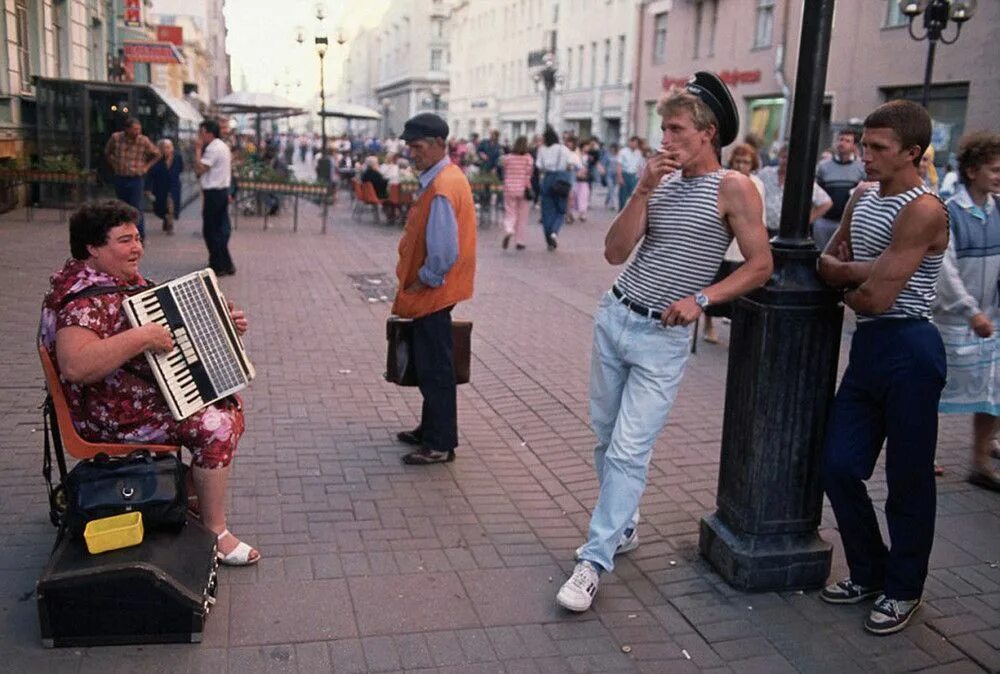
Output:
(684, 244)
(871, 232)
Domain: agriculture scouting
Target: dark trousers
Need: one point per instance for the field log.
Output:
(215, 228)
(433, 359)
(889, 394)
(129, 189)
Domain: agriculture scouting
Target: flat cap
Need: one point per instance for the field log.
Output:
(424, 125)
(715, 94)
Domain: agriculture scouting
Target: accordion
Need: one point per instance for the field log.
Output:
(208, 361)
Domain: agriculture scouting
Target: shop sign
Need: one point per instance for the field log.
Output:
(171, 34)
(730, 77)
(479, 104)
(132, 14)
(151, 52)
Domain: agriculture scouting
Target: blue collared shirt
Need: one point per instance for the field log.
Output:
(442, 232)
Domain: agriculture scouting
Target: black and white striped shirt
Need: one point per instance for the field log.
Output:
(871, 233)
(685, 242)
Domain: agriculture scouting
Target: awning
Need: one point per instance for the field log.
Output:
(180, 107)
(151, 52)
(350, 111)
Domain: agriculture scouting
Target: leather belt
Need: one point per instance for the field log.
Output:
(635, 306)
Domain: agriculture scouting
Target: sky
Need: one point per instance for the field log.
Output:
(263, 48)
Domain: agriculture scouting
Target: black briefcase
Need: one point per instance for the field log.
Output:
(157, 592)
(399, 367)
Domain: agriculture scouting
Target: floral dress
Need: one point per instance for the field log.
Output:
(127, 406)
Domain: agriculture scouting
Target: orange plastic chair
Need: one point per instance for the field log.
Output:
(369, 196)
(73, 444)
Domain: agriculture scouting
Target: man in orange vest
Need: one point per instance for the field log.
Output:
(437, 263)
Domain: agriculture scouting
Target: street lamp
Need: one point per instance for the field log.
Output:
(321, 43)
(546, 79)
(436, 96)
(936, 13)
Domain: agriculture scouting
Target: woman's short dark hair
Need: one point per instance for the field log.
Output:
(90, 224)
(975, 150)
(520, 145)
(550, 137)
(212, 127)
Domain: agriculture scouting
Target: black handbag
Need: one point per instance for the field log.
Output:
(560, 188)
(529, 194)
(399, 367)
(152, 484)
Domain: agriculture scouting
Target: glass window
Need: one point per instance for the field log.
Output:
(23, 53)
(621, 60)
(894, 17)
(569, 64)
(713, 21)
(765, 23)
(593, 63)
(579, 66)
(765, 118)
(660, 38)
(436, 60)
(654, 134)
(607, 61)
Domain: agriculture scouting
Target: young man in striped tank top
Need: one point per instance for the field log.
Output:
(682, 216)
(887, 253)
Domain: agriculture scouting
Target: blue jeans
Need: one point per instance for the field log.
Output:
(553, 207)
(629, 181)
(635, 369)
(889, 394)
(129, 190)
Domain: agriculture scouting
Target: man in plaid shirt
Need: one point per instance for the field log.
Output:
(130, 155)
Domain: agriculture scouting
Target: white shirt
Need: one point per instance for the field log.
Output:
(555, 157)
(631, 160)
(217, 157)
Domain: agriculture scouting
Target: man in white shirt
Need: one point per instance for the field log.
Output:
(213, 165)
(630, 163)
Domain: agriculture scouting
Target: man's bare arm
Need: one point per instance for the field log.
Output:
(741, 207)
(836, 264)
(629, 226)
(920, 228)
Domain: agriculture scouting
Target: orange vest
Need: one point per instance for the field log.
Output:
(451, 184)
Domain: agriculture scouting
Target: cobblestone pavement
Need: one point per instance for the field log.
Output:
(369, 565)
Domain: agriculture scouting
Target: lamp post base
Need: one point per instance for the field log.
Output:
(759, 563)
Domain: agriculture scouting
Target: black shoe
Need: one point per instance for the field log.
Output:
(506, 242)
(425, 456)
(889, 616)
(550, 240)
(413, 437)
(847, 592)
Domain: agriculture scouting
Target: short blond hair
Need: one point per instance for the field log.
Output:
(677, 101)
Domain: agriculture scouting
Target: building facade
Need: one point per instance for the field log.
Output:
(753, 44)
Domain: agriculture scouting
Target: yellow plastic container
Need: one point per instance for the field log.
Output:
(113, 533)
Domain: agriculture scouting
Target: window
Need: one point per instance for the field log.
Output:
(894, 17)
(607, 61)
(620, 77)
(23, 48)
(569, 64)
(436, 60)
(579, 66)
(593, 63)
(699, 15)
(660, 38)
(437, 28)
(765, 24)
(713, 22)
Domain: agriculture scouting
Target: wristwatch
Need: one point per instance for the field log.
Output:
(701, 299)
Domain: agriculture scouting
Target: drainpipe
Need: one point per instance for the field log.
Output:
(637, 80)
(779, 75)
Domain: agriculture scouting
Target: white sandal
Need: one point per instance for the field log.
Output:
(239, 556)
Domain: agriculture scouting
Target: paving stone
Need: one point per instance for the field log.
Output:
(291, 611)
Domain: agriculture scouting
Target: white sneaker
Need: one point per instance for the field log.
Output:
(625, 544)
(578, 592)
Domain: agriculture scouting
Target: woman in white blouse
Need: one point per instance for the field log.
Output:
(557, 165)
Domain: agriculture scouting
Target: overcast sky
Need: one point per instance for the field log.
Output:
(262, 42)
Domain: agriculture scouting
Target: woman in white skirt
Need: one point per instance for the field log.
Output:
(968, 303)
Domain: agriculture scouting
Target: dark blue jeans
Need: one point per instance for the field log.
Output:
(129, 190)
(553, 206)
(215, 228)
(629, 181)
(889, 394)
(434, 361)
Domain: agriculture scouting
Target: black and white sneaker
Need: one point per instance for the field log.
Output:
(890, 615)
(847, 592)
(628, 542)
(578, 592)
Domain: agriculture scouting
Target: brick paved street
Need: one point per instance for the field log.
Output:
(372, 566)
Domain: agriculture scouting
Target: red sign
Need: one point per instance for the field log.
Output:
(730, 77)
(133, 13)
(171, 34)
(151, 52)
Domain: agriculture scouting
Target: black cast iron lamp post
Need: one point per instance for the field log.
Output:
(937, 14)
(546, 79)
(321, 42)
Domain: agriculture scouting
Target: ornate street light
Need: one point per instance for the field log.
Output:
(321, 43)
(937, 14)
(546, 80)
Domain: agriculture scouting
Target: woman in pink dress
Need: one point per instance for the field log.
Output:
(517, 168)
